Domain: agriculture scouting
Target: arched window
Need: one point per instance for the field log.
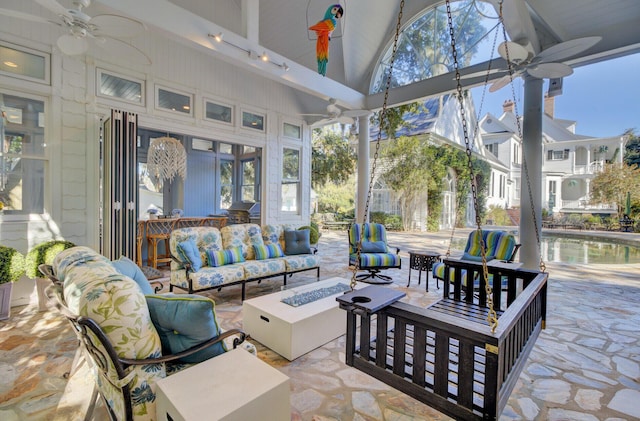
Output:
(424, 45)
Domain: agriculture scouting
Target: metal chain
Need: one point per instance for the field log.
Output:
(383, 115)
(525, 169)
(475, 132)
(492, 317)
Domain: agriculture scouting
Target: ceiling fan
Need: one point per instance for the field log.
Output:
(336, 114)
(104, 30)
(544, 65)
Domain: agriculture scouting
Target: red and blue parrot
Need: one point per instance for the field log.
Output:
(323, 29)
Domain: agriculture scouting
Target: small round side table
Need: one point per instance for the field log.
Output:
(422, 260)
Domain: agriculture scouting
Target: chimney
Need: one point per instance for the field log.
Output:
(549, 104)
(508, 106)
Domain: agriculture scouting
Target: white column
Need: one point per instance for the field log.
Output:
(363, 169)
(532, 134)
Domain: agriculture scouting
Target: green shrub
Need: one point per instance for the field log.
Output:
(44, 253)
(11, 264)
(314, 234)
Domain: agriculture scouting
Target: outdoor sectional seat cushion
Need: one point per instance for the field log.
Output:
(94, 288)
(260, 268)
(206, 238)
(208, 276)
(272, 234)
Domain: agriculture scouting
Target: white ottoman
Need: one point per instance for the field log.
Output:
(234, 386)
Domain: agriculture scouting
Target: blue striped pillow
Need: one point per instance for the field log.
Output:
(225, 257)
(268, 251)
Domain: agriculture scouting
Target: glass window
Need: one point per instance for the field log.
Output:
(292, 131)
(558, 155)
(173, 101)
(248, 181)
(424, 45)
(226, 183)
(22, 158)
(117, 87)
(218, 112)
(253, 121)
(290, 180)
(24, 63)
(225, 148)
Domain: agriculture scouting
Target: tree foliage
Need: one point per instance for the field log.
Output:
(332, 158)
(613, 183)
(632, 153)
(336, 198)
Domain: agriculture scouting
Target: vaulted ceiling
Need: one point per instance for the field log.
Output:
(278, 28)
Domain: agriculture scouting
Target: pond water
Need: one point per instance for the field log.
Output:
(580, 250)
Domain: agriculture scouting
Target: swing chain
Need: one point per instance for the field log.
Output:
(525, 169)
(492, 317)
(475, 131)
(383, 115)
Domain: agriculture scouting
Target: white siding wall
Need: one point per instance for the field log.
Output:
(74, 114)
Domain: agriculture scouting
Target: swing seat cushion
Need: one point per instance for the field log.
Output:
(499, 245)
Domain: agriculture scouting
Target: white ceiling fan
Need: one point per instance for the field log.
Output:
(336, 114)
(104, 30)
(545, 65)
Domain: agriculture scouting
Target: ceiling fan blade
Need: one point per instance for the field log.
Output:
(567, 49)
(501, 83)
(516, 52)
(117, 26)
(550, 70)
(71, 45)
(356, 113)
(25, 16)
(118, 48)
(314, 115)
(54, 7)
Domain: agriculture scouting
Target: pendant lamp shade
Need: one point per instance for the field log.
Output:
(166, 159)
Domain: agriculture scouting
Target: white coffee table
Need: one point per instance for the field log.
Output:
(294, 331)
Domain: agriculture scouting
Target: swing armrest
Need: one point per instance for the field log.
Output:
(513, 255)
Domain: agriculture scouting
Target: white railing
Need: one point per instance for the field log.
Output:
(584, 204)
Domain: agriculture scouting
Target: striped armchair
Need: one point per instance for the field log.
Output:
(375, 254)
(499, 245)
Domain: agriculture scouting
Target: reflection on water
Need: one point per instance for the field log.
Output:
(577, 250)
(573, 250)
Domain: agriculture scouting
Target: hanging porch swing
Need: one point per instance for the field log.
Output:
(463, 354)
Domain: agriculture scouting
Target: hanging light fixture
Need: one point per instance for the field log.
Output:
(166, 158)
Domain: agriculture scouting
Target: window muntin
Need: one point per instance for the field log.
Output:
(290, 180)
(424, 44)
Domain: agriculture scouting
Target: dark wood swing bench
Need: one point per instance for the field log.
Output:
(445, 355)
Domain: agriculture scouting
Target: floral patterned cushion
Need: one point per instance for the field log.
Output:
(260, 268)
(242, 235)
(94, 288)
(209, 277)
(301, 261)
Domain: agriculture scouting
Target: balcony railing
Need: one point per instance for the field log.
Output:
(583, 204)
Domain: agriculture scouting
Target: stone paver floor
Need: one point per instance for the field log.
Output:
(585, 365)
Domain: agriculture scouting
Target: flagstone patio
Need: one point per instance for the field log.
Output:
(585, 365)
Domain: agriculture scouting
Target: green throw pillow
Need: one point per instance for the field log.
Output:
(268, 251)
(184, 321)
(225, 257)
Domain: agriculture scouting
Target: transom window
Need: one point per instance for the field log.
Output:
(424, 45)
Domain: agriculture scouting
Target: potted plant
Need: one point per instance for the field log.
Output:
(11, 269)
(43, 253)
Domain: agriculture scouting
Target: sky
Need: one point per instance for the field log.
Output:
(603, 98)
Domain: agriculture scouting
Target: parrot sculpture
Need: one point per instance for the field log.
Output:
(323, 29)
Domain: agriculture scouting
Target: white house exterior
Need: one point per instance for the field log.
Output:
(570, 160)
